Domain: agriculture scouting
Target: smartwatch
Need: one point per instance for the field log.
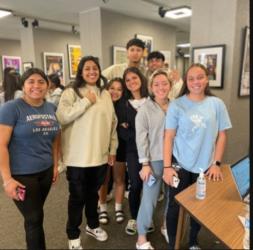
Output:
(217, 163)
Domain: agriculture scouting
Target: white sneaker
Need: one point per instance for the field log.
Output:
(75, 244)
(109, 197)
(98, 233)
(131, 227)
(126, 194)
(194, 247)
(165, 234)
(145, 246)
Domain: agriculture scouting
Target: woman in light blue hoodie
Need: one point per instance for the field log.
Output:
(149, 122)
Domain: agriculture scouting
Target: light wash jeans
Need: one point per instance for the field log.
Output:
(149, 199)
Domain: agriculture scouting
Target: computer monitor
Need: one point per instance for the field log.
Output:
(240, 171)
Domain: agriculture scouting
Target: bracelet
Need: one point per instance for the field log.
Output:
(5, 184)
(144, 164)
(168, 166)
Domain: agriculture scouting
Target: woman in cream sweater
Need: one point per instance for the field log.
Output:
(89, 143)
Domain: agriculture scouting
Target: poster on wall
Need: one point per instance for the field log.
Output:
(148, 40)
(54, 63)
(244, 86)
(119, 55)
(12, 61)
(212, 57)
(74, 56)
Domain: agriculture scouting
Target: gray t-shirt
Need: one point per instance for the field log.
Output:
(34, 129)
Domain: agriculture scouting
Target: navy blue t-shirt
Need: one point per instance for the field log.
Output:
(34, 130)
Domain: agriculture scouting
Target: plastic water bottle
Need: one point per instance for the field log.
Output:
(201, 186)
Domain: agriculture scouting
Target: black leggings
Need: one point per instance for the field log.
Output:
(186, 179)
(37, 188)
(134, 167)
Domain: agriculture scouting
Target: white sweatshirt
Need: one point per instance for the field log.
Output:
(88, 130)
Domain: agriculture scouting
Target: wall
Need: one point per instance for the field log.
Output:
(223, 24)
(53, 41)
(117, 29)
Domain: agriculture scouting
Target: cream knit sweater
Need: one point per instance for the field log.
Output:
(88, 130)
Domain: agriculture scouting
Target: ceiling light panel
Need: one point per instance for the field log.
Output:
(178, 13)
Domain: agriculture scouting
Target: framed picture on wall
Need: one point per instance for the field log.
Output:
(74, 57)
(119, 55)
(27, 65)
(244, 85)
(12, 61)
(54, 63)
(148, 40)
(212, 57)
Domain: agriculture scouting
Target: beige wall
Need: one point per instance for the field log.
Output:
(117, 29)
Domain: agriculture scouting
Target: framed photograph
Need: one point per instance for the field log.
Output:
(27, 65)
(12, 61)
(119, 55)
(212, 57)
(167, 55)
(74, 56)
(148, 40)
(244, 85)
(54, 63)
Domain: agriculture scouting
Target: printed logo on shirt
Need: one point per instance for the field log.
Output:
(198, 122)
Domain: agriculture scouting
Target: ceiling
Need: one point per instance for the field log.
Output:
(62, 14)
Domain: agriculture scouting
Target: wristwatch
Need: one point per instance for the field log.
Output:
(217, 163)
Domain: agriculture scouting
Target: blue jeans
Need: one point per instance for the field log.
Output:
(149, 199)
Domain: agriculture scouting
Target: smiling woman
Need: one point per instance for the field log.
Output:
(29, 130)
(87, 116)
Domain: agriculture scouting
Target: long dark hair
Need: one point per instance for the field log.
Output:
(80, 82)
(55, 79)
(185, 90)
(144, 85)
(11, 84)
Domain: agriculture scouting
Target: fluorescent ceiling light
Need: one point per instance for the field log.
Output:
(186, 55)
(176, 13)
(4, 13)
(184, 45)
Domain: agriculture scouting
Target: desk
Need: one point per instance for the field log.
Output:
(218, 212)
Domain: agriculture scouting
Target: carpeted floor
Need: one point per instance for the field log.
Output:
(12, 233)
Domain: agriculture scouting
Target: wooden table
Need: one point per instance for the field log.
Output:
(218, 212)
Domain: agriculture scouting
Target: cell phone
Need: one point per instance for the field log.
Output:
(175, 181)
(151, 180)
(21, 193)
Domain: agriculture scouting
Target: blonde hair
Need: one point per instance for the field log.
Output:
(160, 72)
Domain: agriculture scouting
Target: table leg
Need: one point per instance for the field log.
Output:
(180, 224)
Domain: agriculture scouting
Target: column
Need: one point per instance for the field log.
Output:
(91, 33)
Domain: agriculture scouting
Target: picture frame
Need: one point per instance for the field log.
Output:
(54, 63)
(74, 57)
(119, 55)
(212, 57)
(244, 82)
(27, 65)
(148, 40)
(12, 61)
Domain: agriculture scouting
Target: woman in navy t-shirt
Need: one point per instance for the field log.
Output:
(28, 152)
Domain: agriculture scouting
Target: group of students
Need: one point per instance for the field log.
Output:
(128, 122)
